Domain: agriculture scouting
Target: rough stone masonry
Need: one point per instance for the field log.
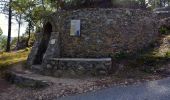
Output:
(104, 33)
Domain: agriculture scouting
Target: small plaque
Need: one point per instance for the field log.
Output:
(75, 28)
(52, 41)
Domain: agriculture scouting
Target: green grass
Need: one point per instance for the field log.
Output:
(9, 59)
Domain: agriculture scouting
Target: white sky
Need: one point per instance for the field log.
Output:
(14, 31)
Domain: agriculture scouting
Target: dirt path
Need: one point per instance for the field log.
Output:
(4, 85)
(62, 86)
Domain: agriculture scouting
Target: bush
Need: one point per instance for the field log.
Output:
(27, 49)
(120, 55)
(164, 30)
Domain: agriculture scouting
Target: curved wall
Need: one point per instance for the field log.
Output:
(105, 32)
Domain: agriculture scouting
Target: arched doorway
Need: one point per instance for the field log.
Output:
(44, 44)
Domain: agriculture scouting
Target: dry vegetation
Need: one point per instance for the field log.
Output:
(9, 59)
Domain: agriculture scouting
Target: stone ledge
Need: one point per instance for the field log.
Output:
(79, 66)
(82, 59)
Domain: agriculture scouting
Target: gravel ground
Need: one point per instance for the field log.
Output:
(66, 88)
(4, 85)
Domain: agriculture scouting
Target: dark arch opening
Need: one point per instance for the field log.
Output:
(44, 44)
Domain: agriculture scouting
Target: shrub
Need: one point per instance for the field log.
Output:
(120, 55)
(164, 30)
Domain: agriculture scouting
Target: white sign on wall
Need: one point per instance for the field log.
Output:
(75, 28)
(52, 41)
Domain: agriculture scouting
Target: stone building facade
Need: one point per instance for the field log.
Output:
(104, 33)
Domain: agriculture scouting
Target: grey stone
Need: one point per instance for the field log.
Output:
(25, 81)
(100, 66)
(102, 72)
(80, 67)
(49, 66)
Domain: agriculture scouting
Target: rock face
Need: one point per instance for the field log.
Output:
(104, 33)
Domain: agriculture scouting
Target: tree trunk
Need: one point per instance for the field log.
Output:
(160, 3)
(42, 1)
(29, 34)
(9, 28)
(19, 28)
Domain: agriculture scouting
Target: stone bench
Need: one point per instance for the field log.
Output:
(80, 66)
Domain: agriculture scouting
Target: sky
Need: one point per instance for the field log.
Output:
(14, 31)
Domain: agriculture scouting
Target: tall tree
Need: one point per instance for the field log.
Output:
(18, 19)
(18, 14)
(3, 5)
(9, 27)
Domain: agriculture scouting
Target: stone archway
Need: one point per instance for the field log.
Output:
(44, 44)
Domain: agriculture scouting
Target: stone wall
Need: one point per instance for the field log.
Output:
(105, 32)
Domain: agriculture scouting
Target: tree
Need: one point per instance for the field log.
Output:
(9, 27)
(24, 8)
(33, 12)
(76, 4)
(158, 3)
(18, 19)
(19, 16)
(3, 4)
(6, 5)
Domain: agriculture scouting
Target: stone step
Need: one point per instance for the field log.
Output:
(27, 79)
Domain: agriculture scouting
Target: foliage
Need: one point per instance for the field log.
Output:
(143, 4)
(75, 4)
(3, 42)
(31, 40)
(167, 55)
(120, 55)
(33, 11)
(158, 3)
(23, 42)
(1, 32)
(164, 30)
